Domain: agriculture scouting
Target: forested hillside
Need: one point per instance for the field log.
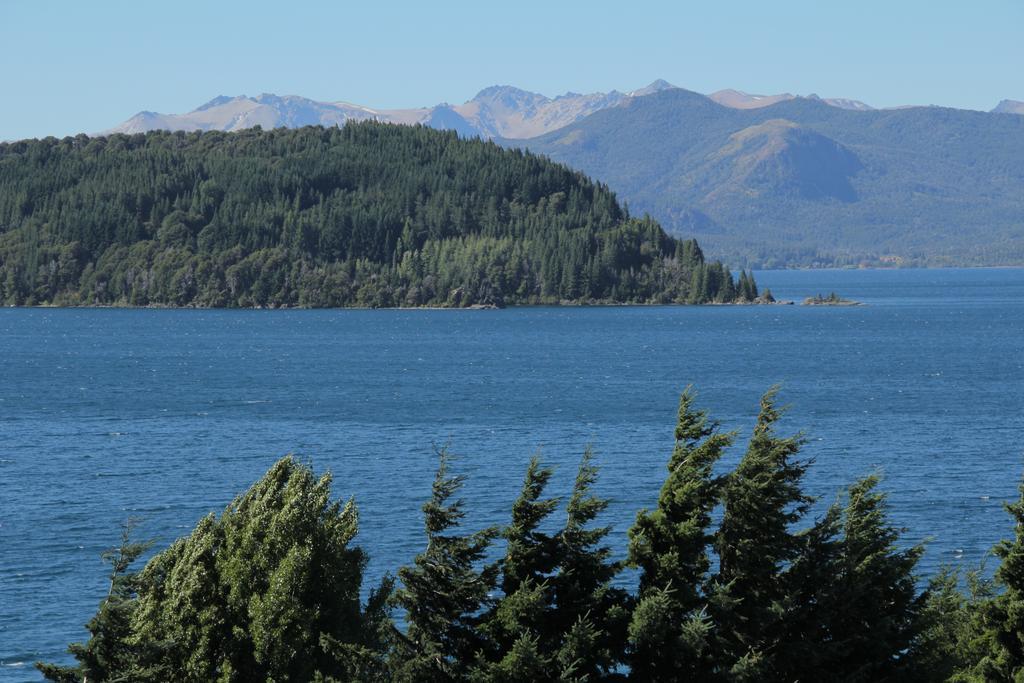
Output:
(365, 215)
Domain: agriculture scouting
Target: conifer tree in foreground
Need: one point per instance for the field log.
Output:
(670, 627)
(590, 614)
(270, 589)
(518, 626)
(853, 611)
(999, 635)
(559, 617)
(273, 576)
(443, 592)
(878, 610)
(755, 543)
(107, 654)
(267, 591)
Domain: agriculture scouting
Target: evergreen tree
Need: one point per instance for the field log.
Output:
(108, 655)
(267, 591)
(591, 614)
(953, 635)
(1000, 635)
(273, 576)
(443, 593)
(806, 647)
(879, 617)
(518, 626)
(854, 612)
(669, 627)
(755, 544)
(531, 555)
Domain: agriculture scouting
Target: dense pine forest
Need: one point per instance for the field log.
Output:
(734, 581)
(367, 215)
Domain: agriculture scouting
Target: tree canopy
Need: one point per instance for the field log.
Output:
(270, 589)
(368, 214)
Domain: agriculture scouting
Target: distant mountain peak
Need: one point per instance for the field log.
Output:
(1009, 107)
(215, 102)
(738, 99)
(506, 91)
(846, 103)
(653, 87)
(780, 157)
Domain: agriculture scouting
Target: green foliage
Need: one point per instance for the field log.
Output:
(853, 594)
(952, 636)
(755, 542)
(365, 215)
(878, 619)
(591, 613)
(245, 593)
(267, 591)
(1010, 634)
(270, 589)
(832, 299)
(518, 626)
(559, 617)
(670, 546)
(107, 656)
(443, 592)
(998, 635)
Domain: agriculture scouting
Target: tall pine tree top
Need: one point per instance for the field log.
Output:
(444, 591)
(763, 498)
(670, 547)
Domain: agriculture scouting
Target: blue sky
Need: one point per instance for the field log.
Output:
(68, 67)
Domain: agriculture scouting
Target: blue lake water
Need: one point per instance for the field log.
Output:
(166, 415)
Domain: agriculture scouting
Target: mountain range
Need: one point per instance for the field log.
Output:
(499, 111)
(759, 180)
(799, 182)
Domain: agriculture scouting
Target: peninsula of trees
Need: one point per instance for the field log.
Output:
(368, 215)
(734, 582)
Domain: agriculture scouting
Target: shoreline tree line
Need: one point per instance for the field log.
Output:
(735, 583)
(367, 215)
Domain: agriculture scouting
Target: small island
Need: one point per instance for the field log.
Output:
(832, 299)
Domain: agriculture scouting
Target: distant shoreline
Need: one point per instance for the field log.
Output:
(605, 304)
(886, 268)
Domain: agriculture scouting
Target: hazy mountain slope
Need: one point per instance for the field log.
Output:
(498, 111)
(1009, 107)
(737, 99)
(268, 111)
(800, 182)
(504, 111)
